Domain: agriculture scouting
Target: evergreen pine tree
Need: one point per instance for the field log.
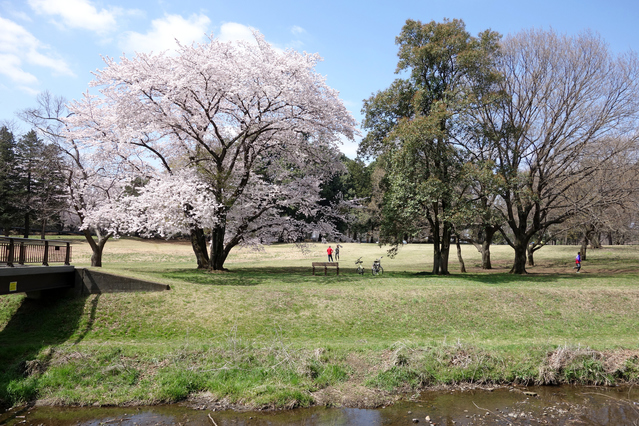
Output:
(9, 182)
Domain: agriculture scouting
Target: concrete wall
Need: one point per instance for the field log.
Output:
(96, 282)
(26, 279)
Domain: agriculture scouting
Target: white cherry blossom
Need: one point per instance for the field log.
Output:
(239, 136)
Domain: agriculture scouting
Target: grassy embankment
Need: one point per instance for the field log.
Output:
(268, 333)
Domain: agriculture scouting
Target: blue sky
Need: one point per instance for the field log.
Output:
(55, 44)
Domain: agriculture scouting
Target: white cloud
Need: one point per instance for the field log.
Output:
(58, 65)
(78, 14)
(12, 11)
(18, 48)
(12, 68)
(297, 30)
(232, 31)
(14, 37)
(165, 31)
(29, 90)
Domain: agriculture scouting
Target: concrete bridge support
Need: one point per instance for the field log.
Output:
(54, 281)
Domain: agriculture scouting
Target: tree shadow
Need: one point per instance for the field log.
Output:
(198, 276)
(504, 278)
(507, 278)
(29, 340)
(258, 275)
(501, 277)
(253, 276)
(89, 325)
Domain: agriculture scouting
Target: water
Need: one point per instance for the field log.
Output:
(540, 405)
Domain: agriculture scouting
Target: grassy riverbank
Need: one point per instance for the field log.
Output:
(268, 333)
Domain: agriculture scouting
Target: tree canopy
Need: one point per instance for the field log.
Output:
(486, 135)
(414, 126)
(566, 96)
(256, 129)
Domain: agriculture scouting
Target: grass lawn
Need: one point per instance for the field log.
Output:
(270, 334)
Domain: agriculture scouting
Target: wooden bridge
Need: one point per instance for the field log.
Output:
(25, 250)
(25, 265)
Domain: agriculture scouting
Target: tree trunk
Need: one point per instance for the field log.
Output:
(217, 262)
(441, 247)
(485, 255)
(485, 247)
(44, 229)
(462, 266)
(27, 217)
(445, 248)
(96, 247)
(198, 243)
(96, 257)
(519, 264)
(596, 240)
(531, 258)
(437, 251)
(27, 229)
(485, 258)
(218, 253)
(584, 247)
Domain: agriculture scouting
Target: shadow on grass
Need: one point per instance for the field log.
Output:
(495, 278)
(29, 340)
(254, 276)
(303, 275)
(507, 278)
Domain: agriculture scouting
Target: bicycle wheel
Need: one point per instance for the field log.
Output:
(374, 271)
(381, 270)
(360, 270)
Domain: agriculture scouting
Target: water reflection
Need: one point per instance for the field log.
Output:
(514, 406)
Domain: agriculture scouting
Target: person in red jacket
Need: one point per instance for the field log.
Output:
(330, 253)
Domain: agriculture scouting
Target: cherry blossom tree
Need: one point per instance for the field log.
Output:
(240, 136)
(93, 178)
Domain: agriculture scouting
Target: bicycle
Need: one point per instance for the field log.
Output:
(377, 267)
(360, 268)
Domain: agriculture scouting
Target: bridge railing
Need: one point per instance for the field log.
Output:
(25, 250)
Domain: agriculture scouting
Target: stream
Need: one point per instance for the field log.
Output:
(564, 405)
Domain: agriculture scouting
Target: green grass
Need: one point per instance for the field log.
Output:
(270, 334)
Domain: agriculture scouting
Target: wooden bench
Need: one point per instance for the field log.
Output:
(326, 265)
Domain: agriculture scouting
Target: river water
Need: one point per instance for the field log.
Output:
(509, 406)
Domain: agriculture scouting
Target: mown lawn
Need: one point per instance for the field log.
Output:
(268, 333)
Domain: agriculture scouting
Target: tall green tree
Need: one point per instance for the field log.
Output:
(350, 190)
(9, 181)
(29, 151)
(32, 187)
(359, 184)
(415, 127)
(49, 195)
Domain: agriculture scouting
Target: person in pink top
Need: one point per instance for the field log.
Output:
(330, 253)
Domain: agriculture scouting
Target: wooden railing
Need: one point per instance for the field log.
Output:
(24, 250)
